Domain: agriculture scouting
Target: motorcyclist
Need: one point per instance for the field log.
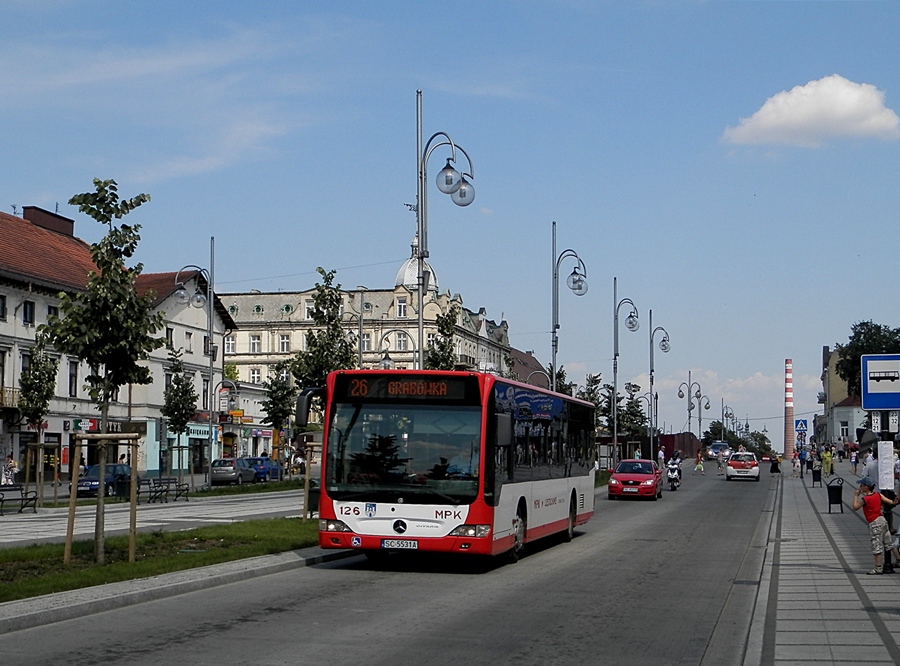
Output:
(675, 465)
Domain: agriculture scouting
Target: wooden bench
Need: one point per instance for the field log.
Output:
(16, 494)
(160, 488)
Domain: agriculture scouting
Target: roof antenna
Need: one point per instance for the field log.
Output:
(57, 208)
(15, 210)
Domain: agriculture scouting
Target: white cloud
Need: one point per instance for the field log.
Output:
(808, 115)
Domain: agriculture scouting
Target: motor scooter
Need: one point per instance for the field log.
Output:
(673, 474)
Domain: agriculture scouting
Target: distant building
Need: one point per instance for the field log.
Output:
(41, 257)
(272, 326)
(843, 413)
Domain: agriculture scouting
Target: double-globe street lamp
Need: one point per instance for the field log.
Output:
(577, 282)
(632, 324)
(692, 391)
(233, 404)
(200, 300)
(387, 363)
(664, 347)
(449, 181)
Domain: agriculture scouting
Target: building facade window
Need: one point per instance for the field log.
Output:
(284, 343)
(229, 344)
(401, 341)
(366, 342)
(254, 375)
(2, 307)
(28, 313)
(205, 399)
(73, 379)
(845, 429)
(255, 344)
(170, 337)
(26, 363)
(309, 305)
(52, 311)
(168, 381)
(189, 342)
(401, 308)
(432, 340)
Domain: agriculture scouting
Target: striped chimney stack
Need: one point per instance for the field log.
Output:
(788, 409)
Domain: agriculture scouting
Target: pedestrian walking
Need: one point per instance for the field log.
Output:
(854, 460)
(9, 470)
(871, 502)
(720, 463)
(803, 456)
(698, 465)
(795, 465)
(661, 457)
(826, 461)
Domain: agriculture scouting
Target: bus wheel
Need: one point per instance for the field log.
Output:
(570, 528)
(519, 527)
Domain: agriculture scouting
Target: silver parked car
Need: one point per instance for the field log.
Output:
(232, 470)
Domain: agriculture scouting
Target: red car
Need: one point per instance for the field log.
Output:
(636, 478)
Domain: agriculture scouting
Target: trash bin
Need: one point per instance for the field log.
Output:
(121, 488)
(816, 477)
(835, 490)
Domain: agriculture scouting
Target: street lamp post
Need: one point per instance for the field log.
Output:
(648, 400)
(727, 413)
(364, 306)
(577, 282)
(702, 403)
(692, 390)
(450, 182)
(664, 347)
(632, 324)
(387, 363)
(538, 372)
(199, 300)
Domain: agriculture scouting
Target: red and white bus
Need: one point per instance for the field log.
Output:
(456, 462)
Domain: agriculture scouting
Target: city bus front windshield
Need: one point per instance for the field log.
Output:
(403, 453)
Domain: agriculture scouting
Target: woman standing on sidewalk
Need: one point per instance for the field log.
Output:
(870, 502)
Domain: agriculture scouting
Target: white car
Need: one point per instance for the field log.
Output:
(742, 465)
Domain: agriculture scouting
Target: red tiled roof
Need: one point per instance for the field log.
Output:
(34, 254)
(31, 253)
(850, 401)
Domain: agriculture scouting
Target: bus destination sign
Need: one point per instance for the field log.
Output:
(401, 387)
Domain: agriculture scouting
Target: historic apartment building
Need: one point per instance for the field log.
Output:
(41, 257)
(272, 326)
(843, 413)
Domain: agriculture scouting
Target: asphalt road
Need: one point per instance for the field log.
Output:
(643, 583)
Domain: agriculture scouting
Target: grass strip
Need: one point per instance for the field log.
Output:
(36, 570)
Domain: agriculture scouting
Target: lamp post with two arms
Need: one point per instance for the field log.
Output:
(664, 347)
(632, 324)
(449, 181)
(200, 300)
(577, 282)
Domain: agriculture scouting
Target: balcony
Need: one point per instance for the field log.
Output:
(9, 397)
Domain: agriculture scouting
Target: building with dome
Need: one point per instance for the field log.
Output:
(383, 323)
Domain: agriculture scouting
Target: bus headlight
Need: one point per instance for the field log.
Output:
(477, 531)
(333, 526)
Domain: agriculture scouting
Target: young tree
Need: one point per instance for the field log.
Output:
(591, 391)
(231, 372)
(330, 347)
(632, 419)
(180, 402)
(562, 386)
(108, 326)
(441, 355)
(279, 402)
(36, 388)
(866, 337)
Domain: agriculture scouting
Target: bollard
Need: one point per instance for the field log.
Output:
(835, 490)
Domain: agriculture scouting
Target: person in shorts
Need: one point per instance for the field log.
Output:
(870, 502)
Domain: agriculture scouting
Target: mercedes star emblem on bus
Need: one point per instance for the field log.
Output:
(400, 526)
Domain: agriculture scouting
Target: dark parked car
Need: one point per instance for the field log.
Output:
(232, 470)
(266, 468)
(89, 484)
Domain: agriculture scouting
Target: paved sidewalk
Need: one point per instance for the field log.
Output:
(816, 604)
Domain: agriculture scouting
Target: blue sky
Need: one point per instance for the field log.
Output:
(733, 164)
